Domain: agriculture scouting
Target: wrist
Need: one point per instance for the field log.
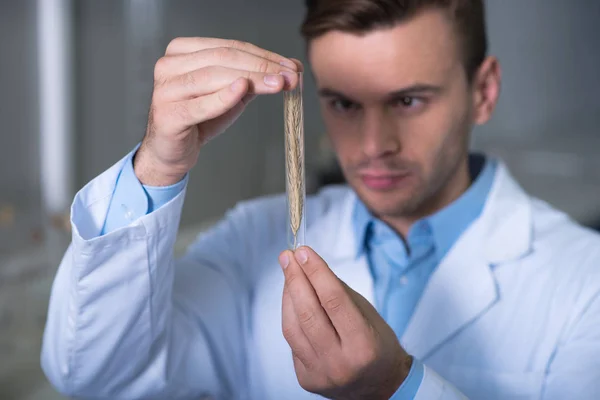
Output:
(401, 372)
(151, 173)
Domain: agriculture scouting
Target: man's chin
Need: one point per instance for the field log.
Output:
(392, 203)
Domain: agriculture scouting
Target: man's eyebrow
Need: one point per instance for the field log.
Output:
(326, 92)
(419, 88)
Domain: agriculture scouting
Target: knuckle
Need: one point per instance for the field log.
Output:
(304, 359)
(290, 279)
(248, 75)
(160, 68)
(222, 53)
(158, 116)
(338, 374)
(263, 67)
(174, 45)
(238, 44)
(365, 356)
(157, 92)
(190, 79)
(289, 333)
(223, 100)
(204, 75)
(307, 383)
(181, 111)
(314, 382)
(311, 270)
(307, 318)
(333, 304)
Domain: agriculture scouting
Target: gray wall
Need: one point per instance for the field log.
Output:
(19, 165)
(18, 109)
(547, 125)
(550, 52)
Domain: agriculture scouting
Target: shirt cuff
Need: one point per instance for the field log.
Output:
(131, 200)
(409, 388)
(158, 196)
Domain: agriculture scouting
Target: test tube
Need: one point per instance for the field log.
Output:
(294, 165)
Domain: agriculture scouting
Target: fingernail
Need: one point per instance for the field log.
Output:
(301, 256)
(272, 80)
(288, 77)
(284, 260)
(289, 64)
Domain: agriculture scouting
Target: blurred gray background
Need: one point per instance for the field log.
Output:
(546, 127)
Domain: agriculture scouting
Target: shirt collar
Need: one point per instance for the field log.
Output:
(447, 224)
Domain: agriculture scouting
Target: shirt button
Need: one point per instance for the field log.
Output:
(128, 213)
(403, 280)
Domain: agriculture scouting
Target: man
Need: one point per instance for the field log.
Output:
(432, 275)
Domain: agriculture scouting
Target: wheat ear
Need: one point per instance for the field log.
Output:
(294, 158)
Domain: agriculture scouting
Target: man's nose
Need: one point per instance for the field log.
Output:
(379, 136)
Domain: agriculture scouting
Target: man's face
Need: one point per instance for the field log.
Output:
(398, 111)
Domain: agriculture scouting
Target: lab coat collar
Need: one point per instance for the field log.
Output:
(463, 287)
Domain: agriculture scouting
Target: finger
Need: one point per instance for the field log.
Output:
(337, 302)
(312, 318)
(193, 44)
(228, 57)
(180, 115)
(302, 350)
(299, 65)
(223, 122)
(367, 310)
(212, 79)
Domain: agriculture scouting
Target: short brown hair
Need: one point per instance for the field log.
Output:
(362, 16)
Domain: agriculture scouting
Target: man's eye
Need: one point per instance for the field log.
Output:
(342, 105)
(409, 102)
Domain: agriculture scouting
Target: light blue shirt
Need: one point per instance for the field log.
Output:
(401, 269)
(132, 200)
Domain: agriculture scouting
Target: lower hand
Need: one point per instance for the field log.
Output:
(342, 348)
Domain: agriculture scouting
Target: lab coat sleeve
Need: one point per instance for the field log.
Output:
(123, 324)
(132, 200)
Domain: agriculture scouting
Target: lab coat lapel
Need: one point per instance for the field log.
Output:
(461, 289)
(463, 286)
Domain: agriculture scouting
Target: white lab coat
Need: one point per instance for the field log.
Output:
(512, 311)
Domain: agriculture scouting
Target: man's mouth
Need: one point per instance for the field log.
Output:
(383, 180)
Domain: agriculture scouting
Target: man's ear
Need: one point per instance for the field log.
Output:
(486, 90)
